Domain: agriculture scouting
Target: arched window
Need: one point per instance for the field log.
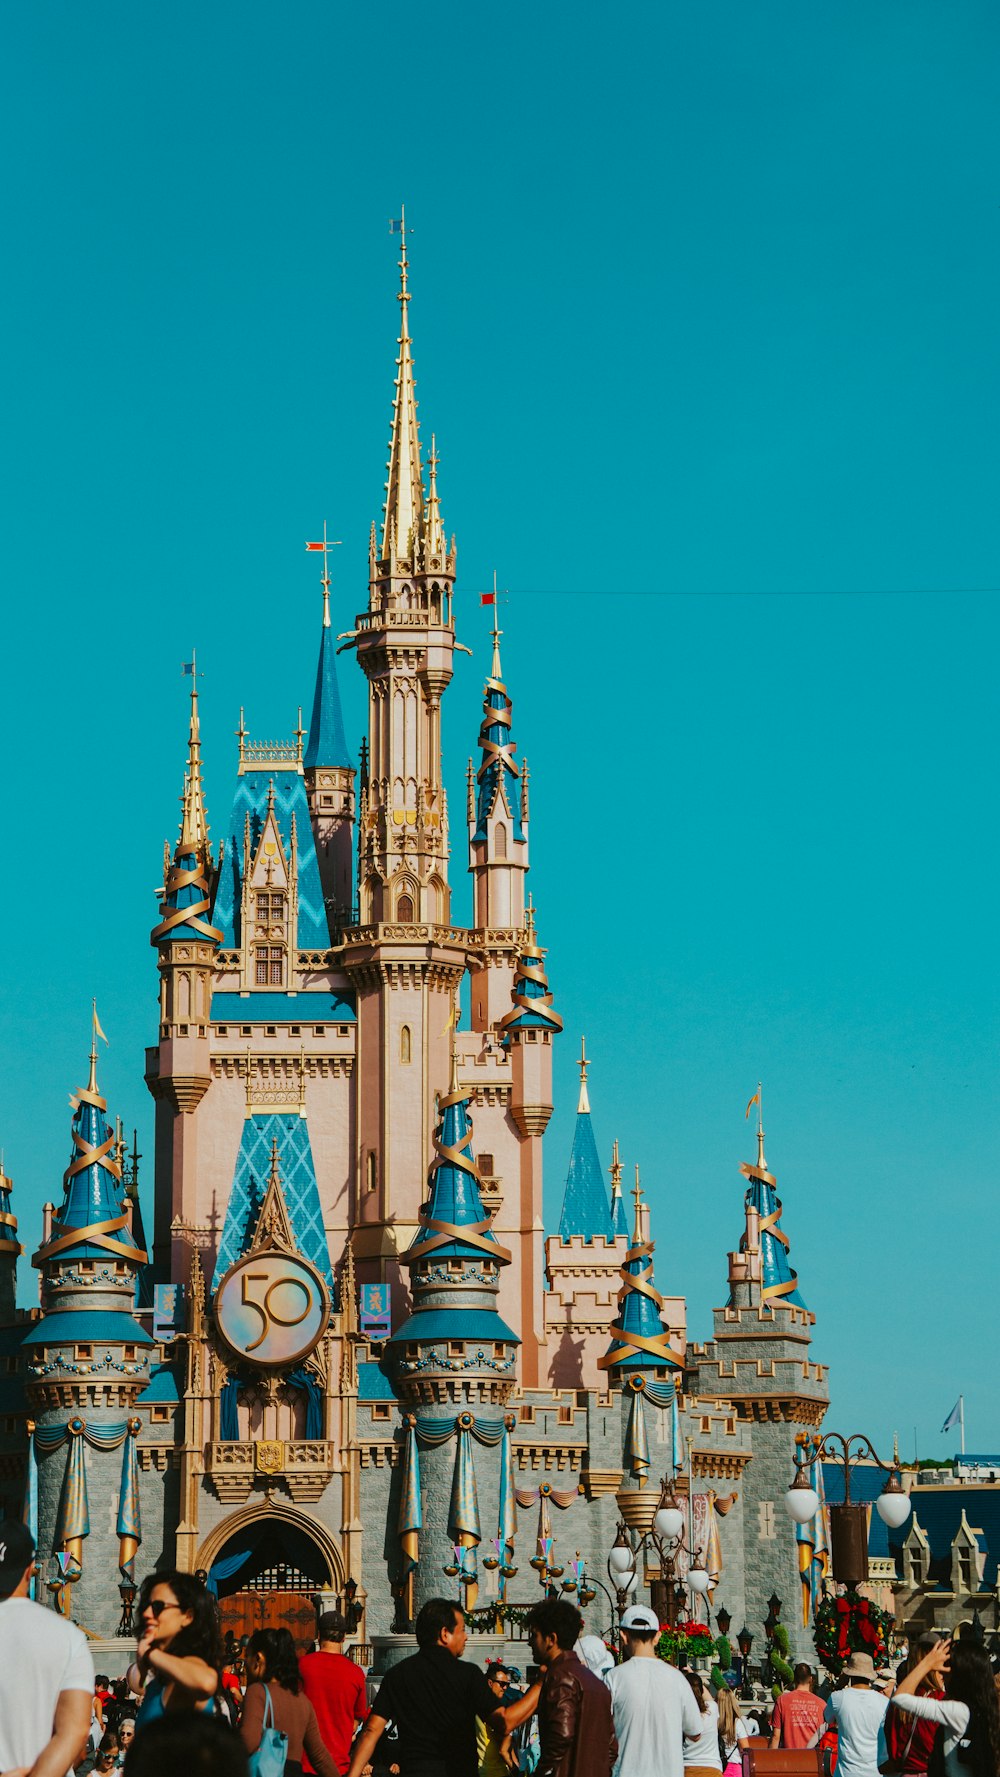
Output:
(372, 1169)
(404, 910)
(405, 1046)
(501, 840)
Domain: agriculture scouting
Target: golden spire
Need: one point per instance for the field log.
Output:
(274, 1176)
(496, 670)
(453, 1022)
(94, 1028)
(761, 1162)
(194, 818)
(434, 542)
(404, 501)
(638, 1235)
(615, 1170)
(584, 1065)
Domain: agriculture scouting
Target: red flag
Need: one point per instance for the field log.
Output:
(319, 546)
(487, 598)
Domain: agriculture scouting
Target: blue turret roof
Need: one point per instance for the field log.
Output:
(454, 1201)
(530, 989)
(91, 1221)
(327, 744)
(9, 1242)
(619, 1226)
(641, 1340)
(497, 769)
(779, 1282)
(585, 1199)
(188, 885)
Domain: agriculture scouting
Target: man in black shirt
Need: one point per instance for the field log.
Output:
(434, 1698)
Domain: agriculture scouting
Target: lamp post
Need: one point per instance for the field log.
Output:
(126, 1591)
(744, 1642)
(848, 1519)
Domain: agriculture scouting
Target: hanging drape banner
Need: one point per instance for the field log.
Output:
(507, 1516)
(410, 1521)
(431, 1432)
(713, 1544)
(636, 1441)
(530, 1496)
(31, 1501)
(129, 1527)
(74, 1508)
(463, 1517)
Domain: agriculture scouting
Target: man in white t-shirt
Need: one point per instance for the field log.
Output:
(859, 1715)
(46, 1672)
(654, 1707)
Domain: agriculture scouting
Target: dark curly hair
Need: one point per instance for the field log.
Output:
(281, 1663)
(969, 1680)
(201, 1636)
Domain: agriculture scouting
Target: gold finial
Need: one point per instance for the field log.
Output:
(496, 670)
(299, 733)
(241, 734)
(453, 1021)
(761, 1162)
(404, 264)
(529, 919)
(95, 1032)
(615, 1170)
(194, 819)
(584, 1066)
(323, 549)
(638, 1234)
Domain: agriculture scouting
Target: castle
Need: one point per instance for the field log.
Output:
(350, 1365)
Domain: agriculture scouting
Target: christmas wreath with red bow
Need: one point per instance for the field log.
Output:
(847, 1625)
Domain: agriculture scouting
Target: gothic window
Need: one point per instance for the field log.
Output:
(270, 965)
(270, 908)
(501, 840)
(404, 910)
(405, 1045)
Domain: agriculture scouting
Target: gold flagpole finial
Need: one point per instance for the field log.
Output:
(496, 670)
(92, 1082)
(638, 1235)
(584, 1066)
(761, 1162)
(615, 1170)
(453, 1080)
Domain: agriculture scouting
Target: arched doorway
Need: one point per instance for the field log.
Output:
(268, 1569)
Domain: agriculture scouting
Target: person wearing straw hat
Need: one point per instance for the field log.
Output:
(858, 1713)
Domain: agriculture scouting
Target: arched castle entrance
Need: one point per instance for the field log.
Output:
(269, 1565)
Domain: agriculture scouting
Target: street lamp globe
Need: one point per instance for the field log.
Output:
(893, 1503)
(801, 1500)
(621, 1559)
(669, 1523)
(698, 1580)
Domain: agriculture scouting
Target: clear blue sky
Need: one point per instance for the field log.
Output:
(704, 308)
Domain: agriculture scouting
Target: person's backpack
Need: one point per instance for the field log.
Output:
(270, 1756)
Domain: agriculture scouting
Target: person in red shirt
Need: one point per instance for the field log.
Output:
(335, 1687)
(798, 1714)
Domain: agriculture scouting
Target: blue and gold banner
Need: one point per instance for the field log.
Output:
(129, 1527)
(411, 1519)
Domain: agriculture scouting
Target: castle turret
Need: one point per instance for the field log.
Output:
(10, 1251)
(453, 1357)
(498, 849)
(582, 1263)
(759, 1363)
(87, 1360)
(187, 941)
(329, 775)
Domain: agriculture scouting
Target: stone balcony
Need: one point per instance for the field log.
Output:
(235, 1469)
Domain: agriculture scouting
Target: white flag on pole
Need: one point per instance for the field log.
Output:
(954, 1417)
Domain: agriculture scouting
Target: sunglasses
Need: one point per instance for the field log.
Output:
(157, 1606)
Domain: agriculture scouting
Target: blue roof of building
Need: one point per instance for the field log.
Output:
(374, 1384)
(619, 1225)
(938, 1511)
(497, 768)
(326, 744)
(454, 1191)
(430, 1325)
(776, 1272)
(86, 1326)
(585, 1208)
(265, 1007)
(289, 798)
(162, 1388)
(298, 1184)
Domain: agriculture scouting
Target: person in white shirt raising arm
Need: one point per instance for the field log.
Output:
(969, 1743)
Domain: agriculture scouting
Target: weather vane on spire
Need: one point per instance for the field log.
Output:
(397, 225)
(323, 549)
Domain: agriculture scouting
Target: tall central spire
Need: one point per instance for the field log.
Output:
(403, 523)
(194, 818)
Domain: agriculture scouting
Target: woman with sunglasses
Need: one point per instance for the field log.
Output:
(177, 1657)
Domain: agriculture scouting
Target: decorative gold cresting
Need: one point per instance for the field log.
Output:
(403, 526)
(434, 547)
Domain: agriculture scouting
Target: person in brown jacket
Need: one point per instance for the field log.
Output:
(575, 1724)
(273, 1671)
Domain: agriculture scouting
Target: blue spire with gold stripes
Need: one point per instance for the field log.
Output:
(187, 893)
(619, 1226)
(585, 1199)
(532, 1006)
(9, 1242)
(499, 773)
(778, 1281)
(641, 1341)
(91, 1222)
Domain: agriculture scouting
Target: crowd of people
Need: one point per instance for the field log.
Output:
(193, 1706)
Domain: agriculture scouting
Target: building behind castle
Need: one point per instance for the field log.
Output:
(349, 1364)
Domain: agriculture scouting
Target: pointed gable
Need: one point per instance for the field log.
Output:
(299, 1187)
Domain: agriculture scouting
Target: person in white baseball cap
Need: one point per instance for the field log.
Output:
(654, 1708)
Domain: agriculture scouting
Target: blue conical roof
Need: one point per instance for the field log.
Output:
(532, 1006)
(619, 1226)
(641, 1340)
(779, 1282)
(9, 1242)
(91, 1220)
(454, 1202)
(327, 744)
(497, 767)
(585, 1199)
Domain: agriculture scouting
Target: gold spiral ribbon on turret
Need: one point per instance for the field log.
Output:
(769, 1224)
(96, 1233)
(496, 752)
(182, 878)
(529, 968)
(439, 1233)
(631, 1344)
